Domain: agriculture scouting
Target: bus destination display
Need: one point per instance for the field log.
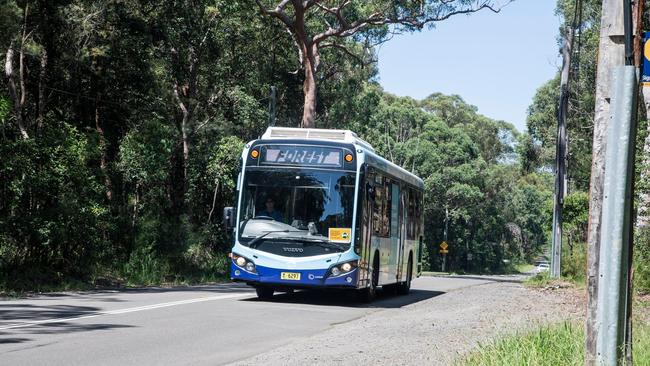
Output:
(302, 155)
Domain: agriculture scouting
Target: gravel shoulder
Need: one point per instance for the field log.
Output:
(436, 331)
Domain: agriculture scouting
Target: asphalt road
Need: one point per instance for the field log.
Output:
(199, 325)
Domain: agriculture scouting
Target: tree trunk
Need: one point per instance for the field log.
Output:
(309, 89)
(103, 165)
(16, 101)
(186, 143)
(41, 91)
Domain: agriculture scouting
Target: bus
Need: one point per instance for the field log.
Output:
(320, 209)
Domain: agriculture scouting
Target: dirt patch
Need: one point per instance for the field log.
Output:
(437, 331)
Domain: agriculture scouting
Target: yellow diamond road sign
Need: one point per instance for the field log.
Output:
(444, 245)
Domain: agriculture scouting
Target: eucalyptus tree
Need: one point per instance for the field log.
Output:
(344, 25)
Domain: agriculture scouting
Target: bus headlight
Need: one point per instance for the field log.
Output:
(250, 267)
(244, 263)
(343, 268)
(241, 261)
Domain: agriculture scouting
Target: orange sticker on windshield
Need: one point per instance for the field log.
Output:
(340, 235)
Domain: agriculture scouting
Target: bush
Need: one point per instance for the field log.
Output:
(146, 268)
(574, 263)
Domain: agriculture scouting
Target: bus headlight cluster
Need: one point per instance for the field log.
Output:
(343, 268)
(244, 263)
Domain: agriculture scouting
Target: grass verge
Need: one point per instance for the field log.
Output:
(560, 344)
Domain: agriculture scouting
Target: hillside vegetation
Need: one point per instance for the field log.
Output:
(120, 138)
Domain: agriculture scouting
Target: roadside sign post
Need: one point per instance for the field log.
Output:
(444, 249)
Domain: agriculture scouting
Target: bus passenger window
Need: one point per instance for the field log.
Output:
(382, 207)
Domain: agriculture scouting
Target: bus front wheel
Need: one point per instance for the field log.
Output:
(264, 293)
(368, 294)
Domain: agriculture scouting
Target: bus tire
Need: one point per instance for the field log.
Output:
(369, 293)
(404, 287)
(264, 293)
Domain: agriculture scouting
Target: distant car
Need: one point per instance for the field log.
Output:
(542, 267)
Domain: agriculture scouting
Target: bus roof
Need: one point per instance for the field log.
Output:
(393, 169)
(345, 136)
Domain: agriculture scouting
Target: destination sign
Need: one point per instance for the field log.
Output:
(302, 155)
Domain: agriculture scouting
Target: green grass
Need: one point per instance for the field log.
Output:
(538, 280)
(524, 267)
(543, 280)
(561, 344)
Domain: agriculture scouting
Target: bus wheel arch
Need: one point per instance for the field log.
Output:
(264, 292)
(369, 293)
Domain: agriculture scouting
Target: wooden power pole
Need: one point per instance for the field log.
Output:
(609, 334)
(561, 155)
(611, 52)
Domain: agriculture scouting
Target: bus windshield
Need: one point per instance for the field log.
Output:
(295, 202)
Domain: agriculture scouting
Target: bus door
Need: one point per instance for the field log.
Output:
(395, 232)
(403, 220)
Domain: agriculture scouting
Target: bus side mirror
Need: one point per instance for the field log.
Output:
(229, 217)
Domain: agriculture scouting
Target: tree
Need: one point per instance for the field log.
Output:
(316, 25)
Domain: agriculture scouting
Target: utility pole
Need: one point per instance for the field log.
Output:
(613, 307)
(561, 156)
(611, 51)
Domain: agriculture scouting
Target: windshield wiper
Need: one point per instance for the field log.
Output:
(260, 237)
(325, 243)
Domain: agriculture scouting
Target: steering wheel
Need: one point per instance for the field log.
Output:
(262, 217)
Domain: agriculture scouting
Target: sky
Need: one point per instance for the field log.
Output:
(493, 61)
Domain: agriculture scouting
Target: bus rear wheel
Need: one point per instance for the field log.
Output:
(404, 287)
(264, 293)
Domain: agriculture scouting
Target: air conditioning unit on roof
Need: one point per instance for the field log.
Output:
(315, 134)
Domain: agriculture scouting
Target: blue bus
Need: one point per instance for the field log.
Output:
(321, 209)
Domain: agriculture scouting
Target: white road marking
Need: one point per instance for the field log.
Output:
(125, 311)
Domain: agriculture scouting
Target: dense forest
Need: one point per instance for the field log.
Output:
(121, 125)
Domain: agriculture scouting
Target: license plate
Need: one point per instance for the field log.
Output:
(290, 276)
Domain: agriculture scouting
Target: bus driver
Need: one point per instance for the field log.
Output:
(270, 210)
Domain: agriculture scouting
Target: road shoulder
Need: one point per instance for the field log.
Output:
(436, 331)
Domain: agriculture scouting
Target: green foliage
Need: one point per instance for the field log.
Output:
(576, 215)
(146, 268)
(641, 260)
(542, 117)
(49, 192)
(574, 263)
(134, 151)
(559, 344)
(549, 345)
(4, 110)
(495, 210)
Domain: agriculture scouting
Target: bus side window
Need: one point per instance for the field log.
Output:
(378, 205)
(388, 205)
(411, 229)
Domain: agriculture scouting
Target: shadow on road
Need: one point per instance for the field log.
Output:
(496, 278)
(17, 314)
(109, 295)
(385, 299)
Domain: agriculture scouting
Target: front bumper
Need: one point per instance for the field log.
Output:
(308, 278)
